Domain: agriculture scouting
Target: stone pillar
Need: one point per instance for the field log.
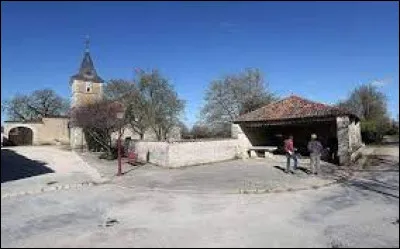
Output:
(243, 143)
(77, 139)
(355, 135)
(235, 129)
(342, 124)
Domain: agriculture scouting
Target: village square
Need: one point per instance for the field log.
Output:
(115, 165)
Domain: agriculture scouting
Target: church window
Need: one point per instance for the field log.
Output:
(88, 87)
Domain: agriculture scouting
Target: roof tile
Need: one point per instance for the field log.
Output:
(293, 107)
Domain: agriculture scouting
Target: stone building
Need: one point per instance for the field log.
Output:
(337, 129)
(86, 87)
(48, 130)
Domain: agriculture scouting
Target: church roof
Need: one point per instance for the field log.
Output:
(293, 107)
(87, 72)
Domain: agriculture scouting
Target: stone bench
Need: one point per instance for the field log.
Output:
(267, 151)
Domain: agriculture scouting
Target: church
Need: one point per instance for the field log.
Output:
(86, 87)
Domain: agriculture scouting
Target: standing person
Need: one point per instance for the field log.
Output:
(333, 148)
(315, 148)
(289, 149)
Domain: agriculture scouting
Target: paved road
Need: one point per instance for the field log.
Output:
(28, 168)
(346, 215)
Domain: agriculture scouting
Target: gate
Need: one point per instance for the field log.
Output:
(21, 136)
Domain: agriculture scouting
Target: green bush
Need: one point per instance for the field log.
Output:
(373, 131)
(368, 132)
(393, 129)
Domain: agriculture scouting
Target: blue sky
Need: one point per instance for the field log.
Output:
(319, 50)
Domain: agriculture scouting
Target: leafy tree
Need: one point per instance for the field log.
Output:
(371, 106)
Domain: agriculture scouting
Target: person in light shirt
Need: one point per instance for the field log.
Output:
(315, 148)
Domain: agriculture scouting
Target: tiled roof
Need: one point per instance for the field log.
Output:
(87, 72)
(293, 107)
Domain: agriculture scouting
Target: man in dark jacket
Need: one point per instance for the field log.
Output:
(315, 148)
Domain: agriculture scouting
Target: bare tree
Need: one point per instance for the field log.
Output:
(151, 103)
(47, 103)
(17, 108)
(117, 89)
(185, 132)
(98, 120)
(40, 103)
(201, 131)
(160, 101)
(233, 95)
(129, 93)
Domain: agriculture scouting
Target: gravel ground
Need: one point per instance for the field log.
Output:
(224, 177)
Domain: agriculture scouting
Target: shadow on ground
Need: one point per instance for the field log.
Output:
(375, 186)
(135, 166)
(305, 170)
(379, 175)
(15, 166)
(280, 168)
(382, 161)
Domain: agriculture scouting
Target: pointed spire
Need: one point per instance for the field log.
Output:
(87, 70)
(87, 44)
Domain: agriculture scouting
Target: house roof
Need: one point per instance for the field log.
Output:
(87, 72)
(293, 107)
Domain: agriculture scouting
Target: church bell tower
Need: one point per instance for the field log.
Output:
(86, 85)
(86, 88)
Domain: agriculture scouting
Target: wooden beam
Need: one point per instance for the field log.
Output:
(286, 122)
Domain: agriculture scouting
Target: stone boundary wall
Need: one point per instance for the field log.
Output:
(192, 153)
(186, 153)
(48, 131)
(152, 152)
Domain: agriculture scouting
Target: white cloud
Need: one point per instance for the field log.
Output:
(381, 82)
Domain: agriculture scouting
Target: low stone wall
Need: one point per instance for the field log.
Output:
(152, 152)
(357, 154)
(186, 153)
(199, 152)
